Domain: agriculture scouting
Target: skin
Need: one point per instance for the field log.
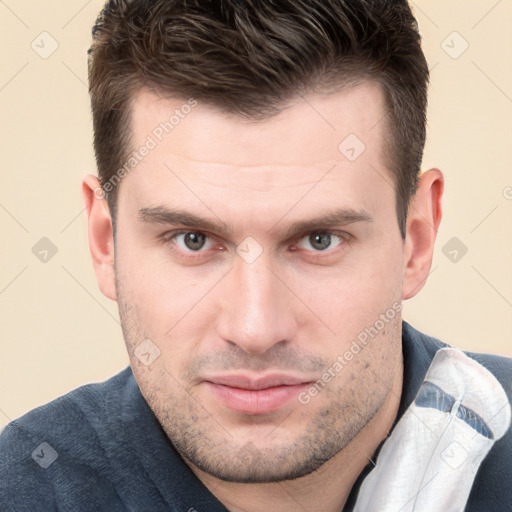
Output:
(293, 310)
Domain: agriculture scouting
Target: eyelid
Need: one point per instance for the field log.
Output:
(193, 231)
(183, 231)
(327, 231)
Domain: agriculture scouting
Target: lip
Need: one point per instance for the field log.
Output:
(256, 395)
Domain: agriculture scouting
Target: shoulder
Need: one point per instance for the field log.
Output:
(499, 366)
(68, 428)
(493, 484)
(424, 348)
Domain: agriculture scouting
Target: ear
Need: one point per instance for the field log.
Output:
(101, 240)
(422, 224)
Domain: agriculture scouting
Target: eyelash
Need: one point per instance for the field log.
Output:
(169, 237)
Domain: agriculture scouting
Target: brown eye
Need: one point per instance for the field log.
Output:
(191, 241)
(194, 241)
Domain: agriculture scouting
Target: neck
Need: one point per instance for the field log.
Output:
(324, 490)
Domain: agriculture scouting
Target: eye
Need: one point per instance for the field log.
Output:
(190, 241)
(320, 241)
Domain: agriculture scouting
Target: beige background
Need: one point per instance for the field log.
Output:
(58, 331)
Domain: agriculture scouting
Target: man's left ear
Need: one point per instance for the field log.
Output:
(422, 224)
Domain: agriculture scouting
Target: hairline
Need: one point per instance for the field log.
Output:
(349, 81)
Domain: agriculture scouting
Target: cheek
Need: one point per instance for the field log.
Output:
(168, 305)
(351, 297)
(161, 291)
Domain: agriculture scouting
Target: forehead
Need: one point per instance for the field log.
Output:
(307, 128)
(198, 152)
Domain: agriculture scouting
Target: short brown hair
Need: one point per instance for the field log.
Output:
(249, 57)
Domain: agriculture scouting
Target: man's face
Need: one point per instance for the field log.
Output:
(247, 296)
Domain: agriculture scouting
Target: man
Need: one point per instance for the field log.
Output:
(259, 217)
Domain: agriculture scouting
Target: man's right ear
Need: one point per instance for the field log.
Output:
(101, 238)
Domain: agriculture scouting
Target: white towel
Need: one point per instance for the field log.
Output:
(430, 460)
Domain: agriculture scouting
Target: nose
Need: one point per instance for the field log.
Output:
(257, 308)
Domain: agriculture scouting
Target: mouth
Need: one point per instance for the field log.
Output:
(255, 395)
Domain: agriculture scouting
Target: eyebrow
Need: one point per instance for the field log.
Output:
(164, 215)
(340, 217)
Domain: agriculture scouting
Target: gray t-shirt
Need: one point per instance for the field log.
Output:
(100, 448)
